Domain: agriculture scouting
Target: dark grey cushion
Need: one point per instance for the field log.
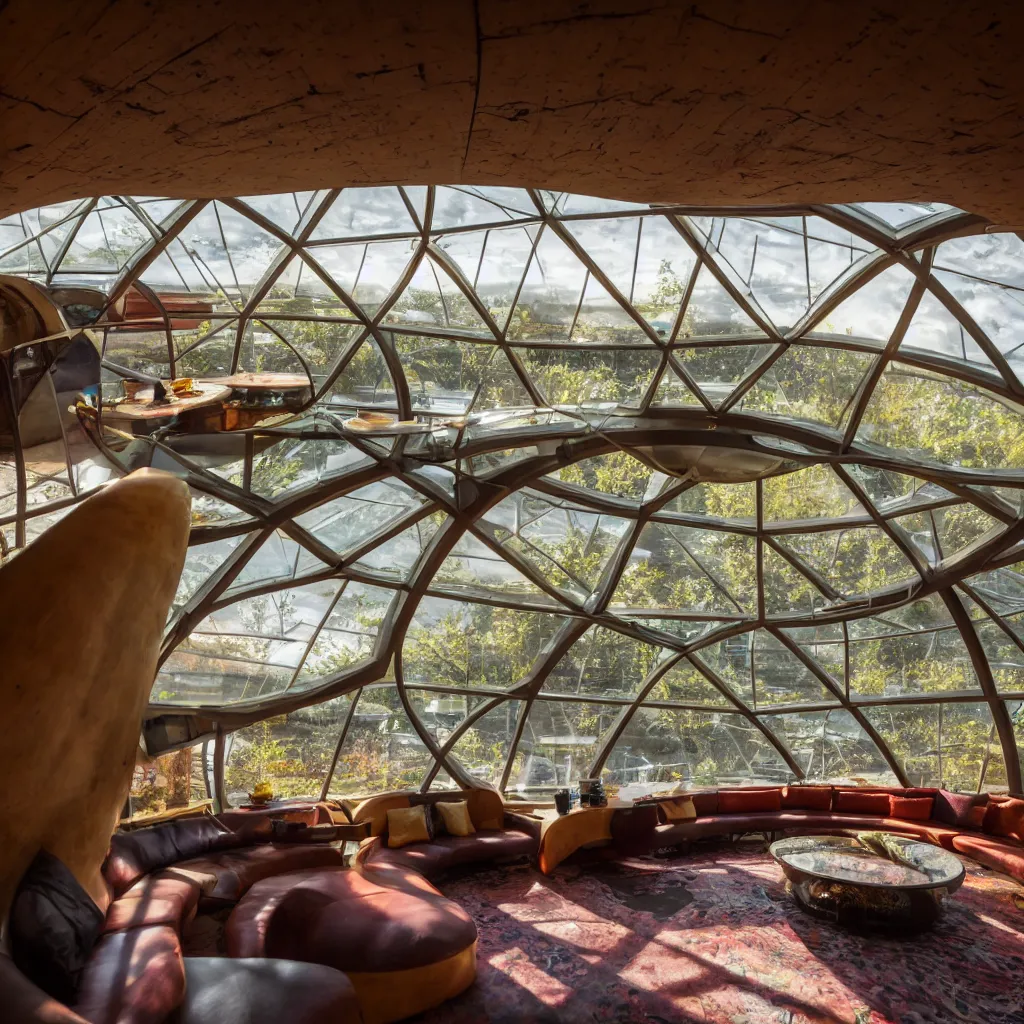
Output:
(53, 927)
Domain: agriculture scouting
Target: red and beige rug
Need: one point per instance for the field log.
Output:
(714, 937)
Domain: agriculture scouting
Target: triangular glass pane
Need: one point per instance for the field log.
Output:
(617, 473)
(712, 311)
(558, 744)
(493, 262)
(396, 558)
(364, 212)
(890, 491)
(954, 746)
(735, 503)
(551, 293)
(602, 320)
(320, 342)
(675, 750)
(106, 241)
(473, 568)
(854, 562)
(277, 560)
(934, 329)
(500, 387)
(730, 660)
(578, 543)
(459, 208)
(901, 215)
(603, 663)
(249, 249)
(786, 262)
(432, 299)
(299, 291)
(717, 369)
(811, 384)
(662, 573)
(645, 258)
(365, 381)
(368, 272)
(285, 209)
(787, 591)
(348, 521)
(873, 310)
(780, 677)
(201, 562)
(923, 661)
(832, 746)
(996, 308)
(263, 351)
(922, 414)
(483, 748)
(348, 635)
(446, 376)
(685, 684)
(943, 533)
(812, 493)
(672, 390)
(568, 204)
(580, 378)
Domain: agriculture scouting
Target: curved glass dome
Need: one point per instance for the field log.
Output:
(575, 486)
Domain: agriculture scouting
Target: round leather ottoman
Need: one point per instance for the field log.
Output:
(404, 947)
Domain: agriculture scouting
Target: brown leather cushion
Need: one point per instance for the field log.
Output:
(236, 870)
(808, 798)
(225, 991)
(133, 977)
(1004, 818)
(913, 808)
(431, 859)
(347, 920)
(998, 854)
(742, 801)
(134, 854)
(851, 801)
(705, 803)
(155, 899)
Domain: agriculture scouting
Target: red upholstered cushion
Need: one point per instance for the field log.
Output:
(742, 801)
(911, 808)
(807, 798)
(1005, 818)
(961, 810)
(856, 802)
(705, 803)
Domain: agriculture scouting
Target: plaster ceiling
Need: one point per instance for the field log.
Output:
(721, 103)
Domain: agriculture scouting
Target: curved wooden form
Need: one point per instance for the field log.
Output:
(563, 836)
(81, 616)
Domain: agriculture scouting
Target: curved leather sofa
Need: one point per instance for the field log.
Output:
(403, 945)
(995, 838)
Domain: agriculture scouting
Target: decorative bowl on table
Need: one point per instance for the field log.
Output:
(261, 793)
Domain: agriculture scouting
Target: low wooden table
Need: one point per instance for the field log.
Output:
(564, 834)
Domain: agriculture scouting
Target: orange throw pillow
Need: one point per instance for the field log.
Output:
(807, 798)
(854, 802)
(407, 825)
(675, 811)
(455, 815)
(911, 808)
(747, 801)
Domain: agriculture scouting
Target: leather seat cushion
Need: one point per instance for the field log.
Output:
(444, 852)
(998, 854)
(236, 870)
(224, 991)
(135, 976)
(347, 920)
(154, 899)
(134, 854)
(725, 824)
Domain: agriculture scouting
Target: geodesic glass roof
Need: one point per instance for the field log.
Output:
(571, 485)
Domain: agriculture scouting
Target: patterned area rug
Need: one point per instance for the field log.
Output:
(715, 937)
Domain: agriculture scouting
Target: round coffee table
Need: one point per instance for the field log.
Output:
(877, 880)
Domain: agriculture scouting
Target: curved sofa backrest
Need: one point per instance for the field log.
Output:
(134, 854)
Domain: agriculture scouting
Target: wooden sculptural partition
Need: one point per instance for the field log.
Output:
(82, 611)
